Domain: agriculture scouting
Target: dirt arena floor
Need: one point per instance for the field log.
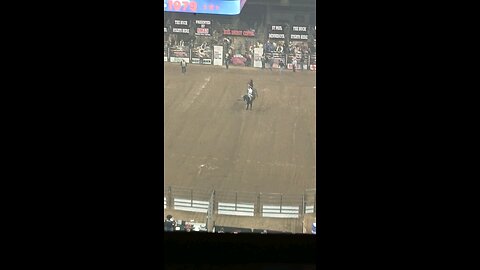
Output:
(211, 141)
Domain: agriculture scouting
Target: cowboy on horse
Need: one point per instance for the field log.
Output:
(251, 94)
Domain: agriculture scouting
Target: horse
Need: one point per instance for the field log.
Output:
(249, 101)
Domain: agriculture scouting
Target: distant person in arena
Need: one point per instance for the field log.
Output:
(227, 59)
(270, 63)
(281, 65)
(183, 64)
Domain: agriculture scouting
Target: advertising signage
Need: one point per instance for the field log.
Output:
(299, 32)
(276, 32)
(220, 7)
(181, 27)
(203, 27)
(184, 23)
(244, 33)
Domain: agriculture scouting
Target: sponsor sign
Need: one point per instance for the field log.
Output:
(203, 28)
(243, 33)
(298, 32)
(202, 54)
(177, 53)
(217, 55)
(181, 27)
(257, 57)
(276, 32)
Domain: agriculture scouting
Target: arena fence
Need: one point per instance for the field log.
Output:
(216, 202)
(176, 54)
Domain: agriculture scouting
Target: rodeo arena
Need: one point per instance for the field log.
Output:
(240, 116)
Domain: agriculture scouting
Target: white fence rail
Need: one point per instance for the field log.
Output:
(309, 209)
(277, 211)
(240, 204)
(239, 209)
(190, 205)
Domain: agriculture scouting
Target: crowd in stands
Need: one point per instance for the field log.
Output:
(239, 50)
(172, 225)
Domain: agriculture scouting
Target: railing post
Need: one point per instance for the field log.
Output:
(170, 198)
(259, 209)
(281, 199)
(210, 213)
(304, 207)
(236, 200)
(214, 200)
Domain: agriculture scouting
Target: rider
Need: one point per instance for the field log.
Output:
(250, 83)
(250, 91)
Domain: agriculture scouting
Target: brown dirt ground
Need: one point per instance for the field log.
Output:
(270, 149)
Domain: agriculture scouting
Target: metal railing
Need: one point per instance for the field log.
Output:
(217, 202)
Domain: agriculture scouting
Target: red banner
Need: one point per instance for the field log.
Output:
(244, 33)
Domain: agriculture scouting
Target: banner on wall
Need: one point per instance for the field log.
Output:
(257, 57)
(276, 32)
(203, 28)
(217, 55)
(239, 33)
(181, 27)
(202, 54)
(177, 53)
(299, 33)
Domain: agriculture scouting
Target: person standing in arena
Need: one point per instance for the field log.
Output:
(294, 64)
(226, 60)
(183, 64)
(301, 62)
